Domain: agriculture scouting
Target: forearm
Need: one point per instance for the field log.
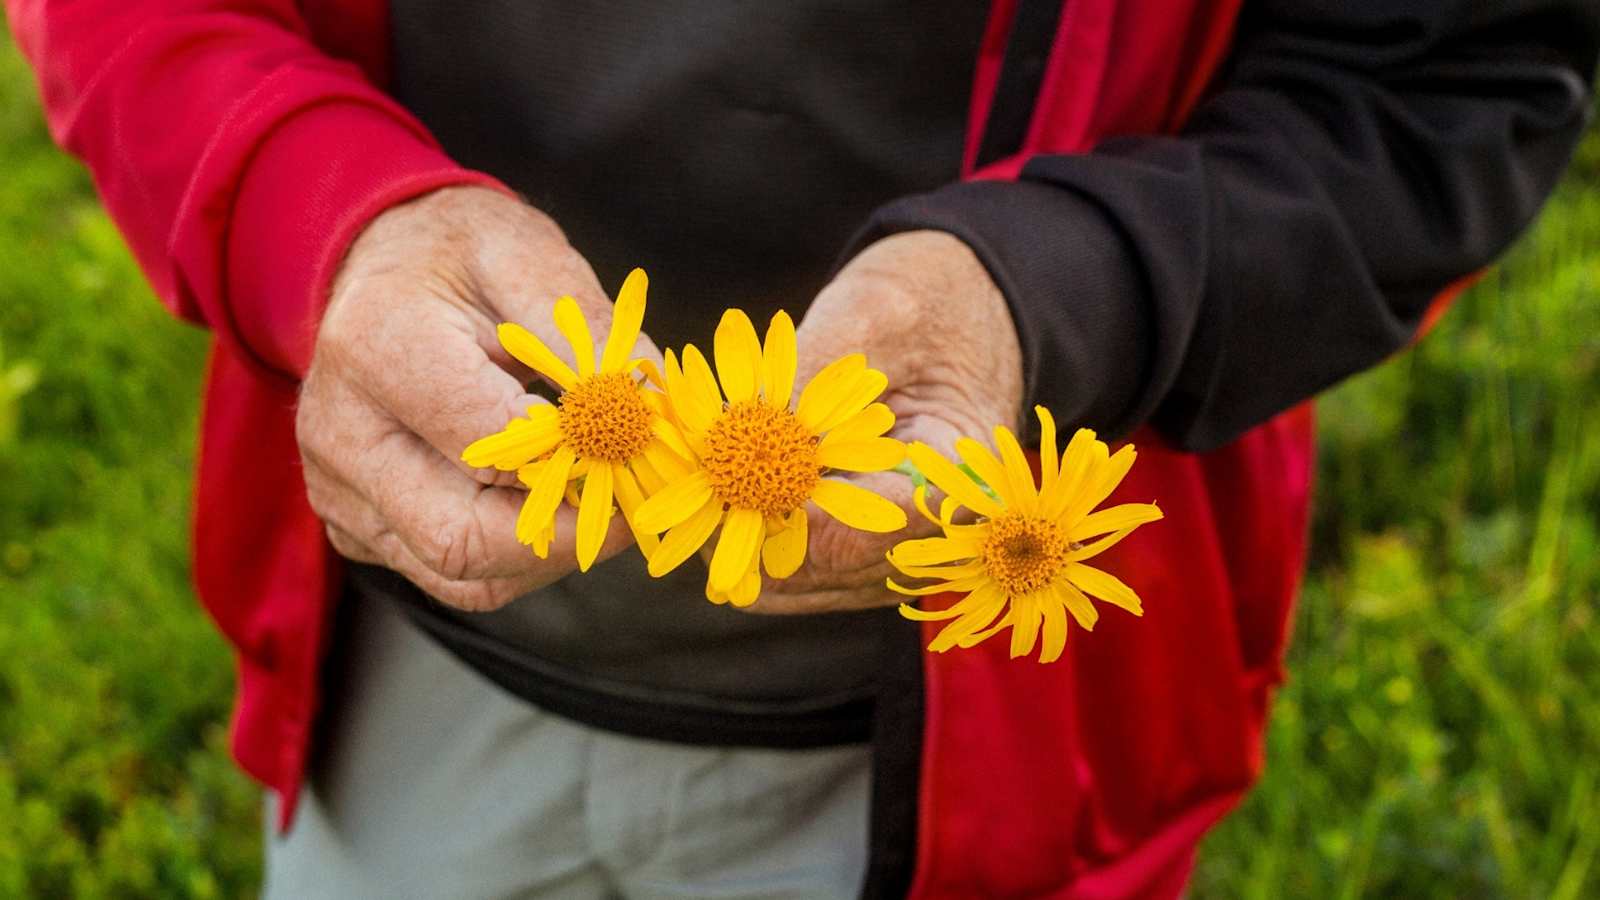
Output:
(1297, 230)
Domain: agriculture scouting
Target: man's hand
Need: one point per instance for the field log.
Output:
(926, 313)
(407, 371)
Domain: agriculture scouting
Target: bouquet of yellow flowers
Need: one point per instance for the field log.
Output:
(686, 451)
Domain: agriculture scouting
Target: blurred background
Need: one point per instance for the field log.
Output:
(1439, 735)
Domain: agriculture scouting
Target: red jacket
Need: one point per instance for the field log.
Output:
(240, 144)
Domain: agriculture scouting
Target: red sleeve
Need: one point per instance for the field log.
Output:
(238, 159)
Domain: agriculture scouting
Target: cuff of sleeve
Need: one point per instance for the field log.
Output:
(1076, 296)
(310, 188)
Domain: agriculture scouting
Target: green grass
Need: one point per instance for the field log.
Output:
(114, 688)
(1440, 732)
(1439, 736)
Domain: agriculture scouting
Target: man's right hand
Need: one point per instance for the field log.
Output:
(407, 372)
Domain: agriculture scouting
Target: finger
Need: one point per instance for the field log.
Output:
(348, 514)
(348, 547)
(463, 530)
(420, 357)
(858, 313)
(479, 595)
(381, 545)
(524, 287)
(456, 527)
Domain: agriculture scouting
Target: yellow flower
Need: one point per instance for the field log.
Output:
(1024, 556)
(757, 460)
(605, 424)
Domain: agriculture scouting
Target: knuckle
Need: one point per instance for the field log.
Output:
(342, 544)
(318, 494)
(453, 550)
(491, 477)
(833, 548)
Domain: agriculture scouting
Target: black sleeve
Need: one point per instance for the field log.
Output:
(1355, 158)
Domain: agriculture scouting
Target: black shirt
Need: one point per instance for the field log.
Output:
(1348, 162)
(730, 149)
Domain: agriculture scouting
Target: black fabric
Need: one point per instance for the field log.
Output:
(1354, 159)
(1033, 32)
(897, 731)
(729, 149)
(625, 708)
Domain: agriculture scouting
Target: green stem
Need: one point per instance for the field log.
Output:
(908, 469)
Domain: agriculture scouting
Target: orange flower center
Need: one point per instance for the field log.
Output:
(1023, 554)
(760, 457)
(605, 417)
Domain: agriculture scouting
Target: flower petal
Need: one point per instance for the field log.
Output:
(1049, 456)
(871, 422)
(974, 600)
(742, 533)
(1024, 624)
(569, 318)
(652, 375)
(818, 396)
(738, 352)
(665, 463)
(955, 572)
(693, 408)
(1103, 479)
(866, 455)
(1055, 629)
(594, 514)
(532, 352)
(919, 499)
(520, 443)
(675, 503)
(944, 474)
(1098, 546)
(1106, 586)
(978, 637)
(1078, 463)
(778, 359)
(742, 594)
(547, 482)
(685, 538)
(958, 586)
(541, 540)
(935, 551)
(986, 466)
(852, 397)
(747, 590)
(1114, 518)
(1082, 607)
(785, 548)
(668, 434)
(1018, 473)
(629, 498)
(626, 318)
(857, 507)
(697, 374)
(986, 604)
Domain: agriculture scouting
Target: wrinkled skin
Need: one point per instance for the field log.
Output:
(925, 311)
(407, 372)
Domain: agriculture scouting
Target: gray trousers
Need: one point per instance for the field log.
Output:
(432, 782)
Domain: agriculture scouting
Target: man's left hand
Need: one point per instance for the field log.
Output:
(926, 313)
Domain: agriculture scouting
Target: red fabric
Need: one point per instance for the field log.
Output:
(239, 160)
(240, 145)
(1097, 776)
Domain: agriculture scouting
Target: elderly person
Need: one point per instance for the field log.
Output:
(1180, 218)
